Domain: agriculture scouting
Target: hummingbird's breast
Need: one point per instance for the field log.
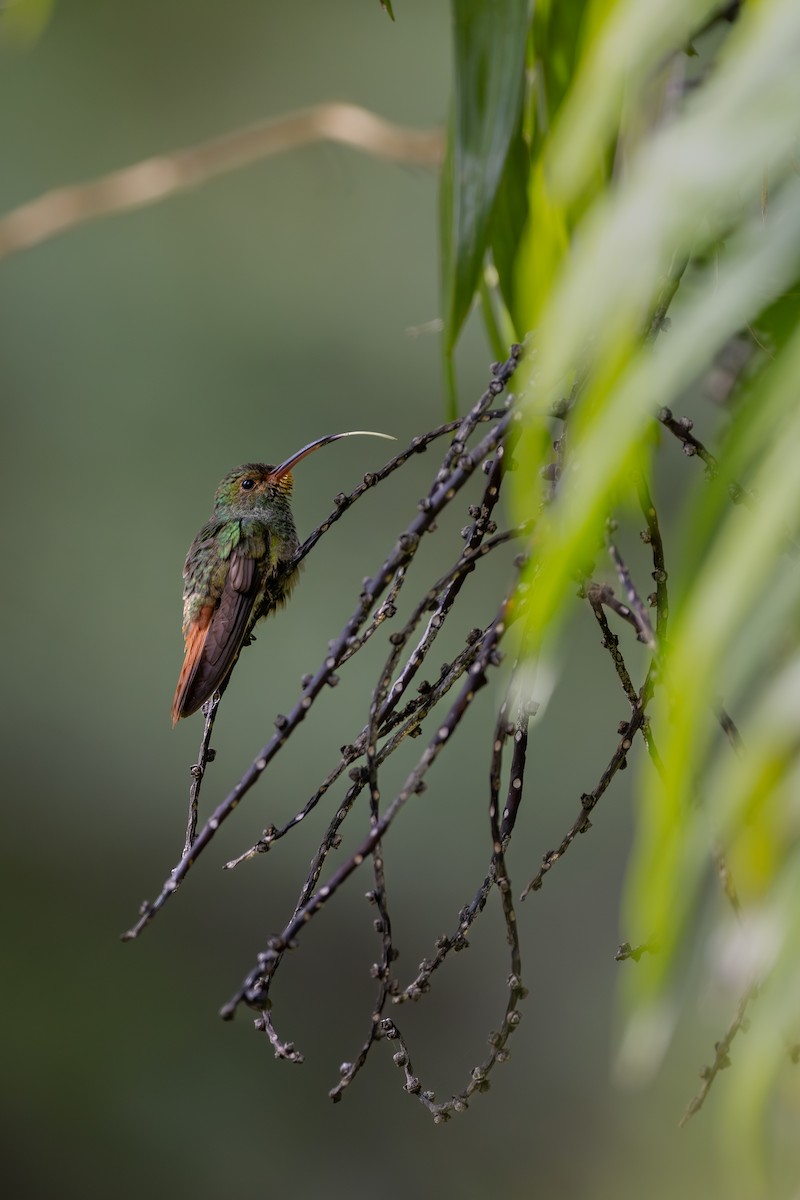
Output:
(279, 537)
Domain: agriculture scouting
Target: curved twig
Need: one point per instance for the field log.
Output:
(163, 175)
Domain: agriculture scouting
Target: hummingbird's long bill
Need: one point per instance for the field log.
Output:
(288, 464)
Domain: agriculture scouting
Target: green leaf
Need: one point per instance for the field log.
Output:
(508, 222)
(489, 52)
(556, 37)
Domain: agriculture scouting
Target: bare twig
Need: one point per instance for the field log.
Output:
(405, 724)
(198, 770)
(619, 759)
(597, 595)
(284, 1050)
(652, 536)
(164, 175)
(417, 445)
(722, 1055)
(412, 715)
(638, 613)
(330, 841)
(440, 496)
(254, 989)
(501, 833)
(681, 428)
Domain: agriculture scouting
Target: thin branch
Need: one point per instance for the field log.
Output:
(254, 989)
(384, 700)
(722, 1056)
(410, 718)
(457, 941)
(416, 710)
(198, 770)
(479, 1076)
(619, 760)
(406, 724)
(380, 970)
(652, 536)
(331, 839)
(164, 175)
(681, 428)
(639, 616)
(598, 595)
(440, 496)
(378, 896)
(417, 445)
(284, 1050)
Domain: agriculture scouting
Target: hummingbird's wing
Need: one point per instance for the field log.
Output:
(214, 638)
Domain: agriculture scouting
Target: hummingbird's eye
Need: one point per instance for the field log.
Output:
(247, 484)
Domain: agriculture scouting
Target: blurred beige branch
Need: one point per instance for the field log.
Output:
(156, 178)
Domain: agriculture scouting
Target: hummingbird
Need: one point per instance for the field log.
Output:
(234, 572)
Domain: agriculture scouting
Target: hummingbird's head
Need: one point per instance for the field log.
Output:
(251, 487)
(258, 485)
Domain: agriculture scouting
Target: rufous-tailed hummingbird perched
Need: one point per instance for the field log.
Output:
(233, 573)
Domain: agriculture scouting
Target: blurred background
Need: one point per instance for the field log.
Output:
(140, 358)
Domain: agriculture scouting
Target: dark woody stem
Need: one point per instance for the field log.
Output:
(447, 485)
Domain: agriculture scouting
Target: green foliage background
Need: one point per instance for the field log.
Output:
(655, 184)
(143, 356)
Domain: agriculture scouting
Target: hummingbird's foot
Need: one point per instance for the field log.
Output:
(248, 641)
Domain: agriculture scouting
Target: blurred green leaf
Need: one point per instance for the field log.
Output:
(594, 310)
(710, 618)
(595, 264)
(631, 39)
(25, 21)
(556, 38)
